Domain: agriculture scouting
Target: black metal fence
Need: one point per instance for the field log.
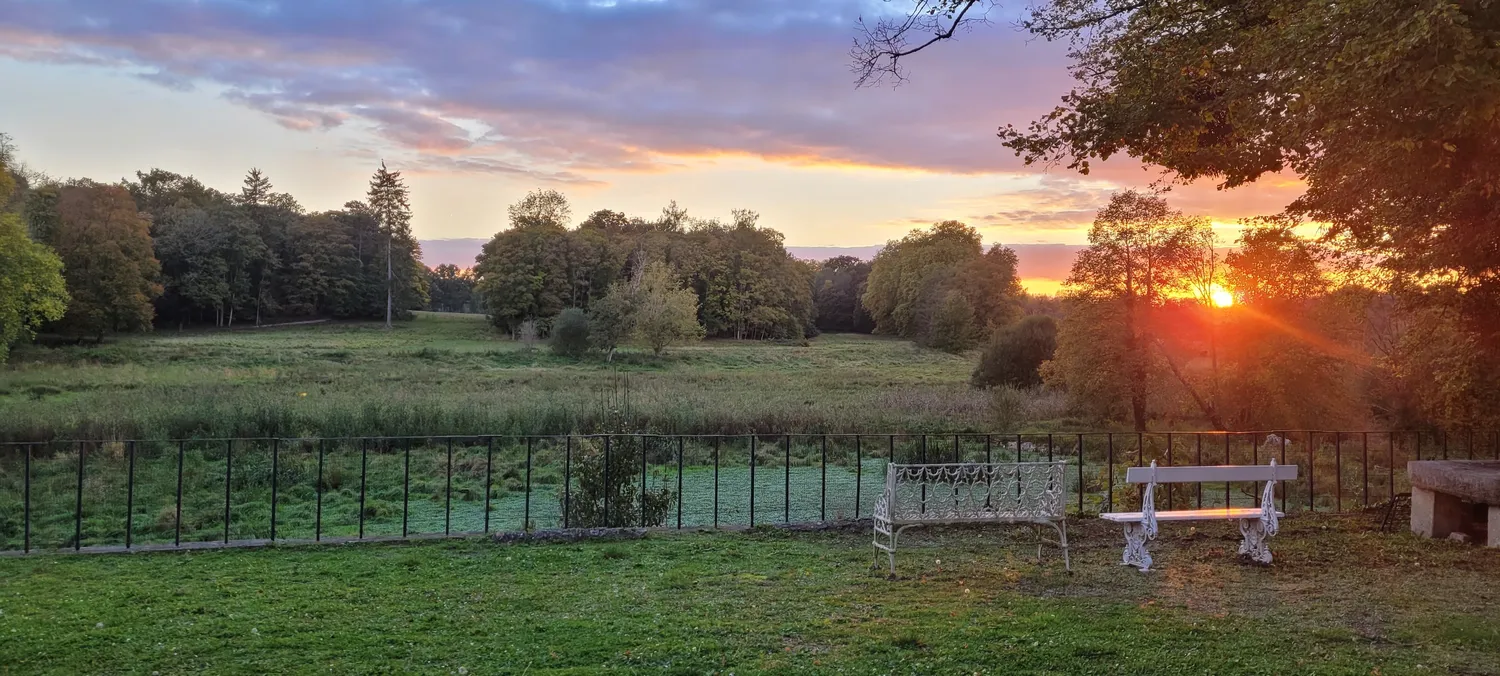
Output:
(106, 495)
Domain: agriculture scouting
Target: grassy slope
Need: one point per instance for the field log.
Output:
(1340, 599)
(454, 374)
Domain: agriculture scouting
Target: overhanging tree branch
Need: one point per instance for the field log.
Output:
(878, 50)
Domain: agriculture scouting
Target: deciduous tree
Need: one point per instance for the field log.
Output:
(111, 272)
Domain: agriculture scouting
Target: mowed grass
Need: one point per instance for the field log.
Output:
(454, 374)
(1340, 599)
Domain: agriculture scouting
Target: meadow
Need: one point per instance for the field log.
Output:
(454, 374)
(1342, 598)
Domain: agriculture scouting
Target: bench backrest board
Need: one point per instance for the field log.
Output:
(1210, 474)
(976, 491)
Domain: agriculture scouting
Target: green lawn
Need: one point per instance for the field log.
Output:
(454, 374)
(1340, 599)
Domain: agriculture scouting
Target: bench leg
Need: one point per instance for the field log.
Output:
(1062, 541)
(1135, 547)
(1253, 542)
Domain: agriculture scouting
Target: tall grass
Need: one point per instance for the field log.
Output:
(454, 375)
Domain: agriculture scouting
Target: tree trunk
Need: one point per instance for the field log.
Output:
(388, 277)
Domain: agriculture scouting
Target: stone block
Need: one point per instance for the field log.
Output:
(1435, 515)
(1494, 527)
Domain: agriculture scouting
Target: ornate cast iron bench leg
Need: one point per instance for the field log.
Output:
(1135, 547)
(1253, 541)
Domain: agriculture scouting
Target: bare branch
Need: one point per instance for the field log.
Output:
(877, 51)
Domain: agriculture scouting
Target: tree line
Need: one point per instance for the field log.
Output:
(166, 250)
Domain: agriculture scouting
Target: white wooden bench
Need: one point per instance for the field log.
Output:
(920, 495)
(1256, 523)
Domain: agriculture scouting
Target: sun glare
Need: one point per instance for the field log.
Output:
(1220, 296)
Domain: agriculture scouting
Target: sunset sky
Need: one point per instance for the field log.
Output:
(620, 104)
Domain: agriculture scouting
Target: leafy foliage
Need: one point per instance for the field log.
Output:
(32, 290)
(105, 247)
(607, 493)
(1139, 251)
(570, 333)
(912, 282)
(664, 313)
(837, 287)
(1015, 354)
(451, 289)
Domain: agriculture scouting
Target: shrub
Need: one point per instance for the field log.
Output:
(593, 495)
(570, 333)
(1015, 354)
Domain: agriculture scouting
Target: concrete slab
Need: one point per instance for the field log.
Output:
(1472, 480)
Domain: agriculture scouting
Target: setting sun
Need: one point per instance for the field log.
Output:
(1220, 296)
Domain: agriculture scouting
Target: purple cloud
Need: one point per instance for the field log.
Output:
(558, 89)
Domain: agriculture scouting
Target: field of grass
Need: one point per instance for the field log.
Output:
(454, 374)
(1340, 599)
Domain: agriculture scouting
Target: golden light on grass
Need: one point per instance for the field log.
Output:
(1220, 296)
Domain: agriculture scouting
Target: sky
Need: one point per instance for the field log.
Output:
(619, 104)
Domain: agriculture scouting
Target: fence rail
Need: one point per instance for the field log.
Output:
(78, 495)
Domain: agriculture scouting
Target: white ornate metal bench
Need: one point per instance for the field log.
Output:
(920, 495)
(1256, 523)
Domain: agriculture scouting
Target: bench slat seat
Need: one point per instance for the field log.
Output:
(1256, 523)
(1233, 513)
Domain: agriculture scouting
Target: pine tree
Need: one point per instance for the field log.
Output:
(390, 202)
(256, 190)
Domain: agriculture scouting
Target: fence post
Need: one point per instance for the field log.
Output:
(752, 481)
(1169, 464)
(318, 519)
(608, 442)
(1338, 472)
(26, 500)
(526, 510)
(1390, 465)
(1255, 460)
(275, 478)
(1080, 470)
(786, 475)
(716, 481)
(489, 463)
(1140, 460)
(177, 520)
(130, 494)
(78, 506)
(448, 492)
(680, 443)
(364, 453)
(1284, 491)
(1109, 440)
(1227, 461)
(1198, 436)
(228, 469)
(957, 454)
(567, 485)
(1364, 467)
(405, 484)
(1312, 471)
(823, 489)
(859, 464)
(642, 440)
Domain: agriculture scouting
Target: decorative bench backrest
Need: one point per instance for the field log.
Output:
(961, 492)
(1210, 474)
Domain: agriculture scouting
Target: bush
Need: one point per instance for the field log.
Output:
(570, 333)
(1015, 354)
(616, 493)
